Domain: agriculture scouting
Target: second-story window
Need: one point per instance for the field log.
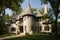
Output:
(46, 28)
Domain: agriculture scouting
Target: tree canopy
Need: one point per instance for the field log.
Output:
(15, 5)
(55, 5)
(12, 4)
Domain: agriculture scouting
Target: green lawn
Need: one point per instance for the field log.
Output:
(7, 34)
(36, 37)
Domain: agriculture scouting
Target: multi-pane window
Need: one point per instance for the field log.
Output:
(46, 28)
(13, 29)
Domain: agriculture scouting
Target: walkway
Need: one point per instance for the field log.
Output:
(11, 36)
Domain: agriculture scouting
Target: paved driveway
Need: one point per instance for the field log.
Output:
(20, 35)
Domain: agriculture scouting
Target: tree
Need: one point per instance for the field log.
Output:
(7, 17)
(55, 4)
(34, 9)
(11, 4)
(42, 10)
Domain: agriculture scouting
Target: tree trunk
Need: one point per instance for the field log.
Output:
(55, 28)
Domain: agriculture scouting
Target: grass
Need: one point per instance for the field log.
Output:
(7, 34)
(36, 37)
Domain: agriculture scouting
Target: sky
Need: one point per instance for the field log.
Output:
(33, 3)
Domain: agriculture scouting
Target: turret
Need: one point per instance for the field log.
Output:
(45, 8)
(28, 19)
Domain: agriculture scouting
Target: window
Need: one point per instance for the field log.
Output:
(24, 18)
(32, 28)
(46, 28)
(13, 29)
(28, 17)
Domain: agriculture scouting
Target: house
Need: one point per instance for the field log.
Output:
(30, 22)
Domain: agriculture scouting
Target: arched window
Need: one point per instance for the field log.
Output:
(13, 29)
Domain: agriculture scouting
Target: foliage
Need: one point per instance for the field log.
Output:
(34, 9)
(51, 13)
(55, 4)
(41, 10)
(11, 4)
(3, 27)
(46, 16)
(7, 17)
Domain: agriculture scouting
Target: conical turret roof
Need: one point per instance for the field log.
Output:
(26, 11)
(38, 13)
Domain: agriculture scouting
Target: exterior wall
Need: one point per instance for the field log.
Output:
(48, 31)
(33, 24)
(9, 29)
(27, 24)
(38, 25)
(13, 26)
(30, 23)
